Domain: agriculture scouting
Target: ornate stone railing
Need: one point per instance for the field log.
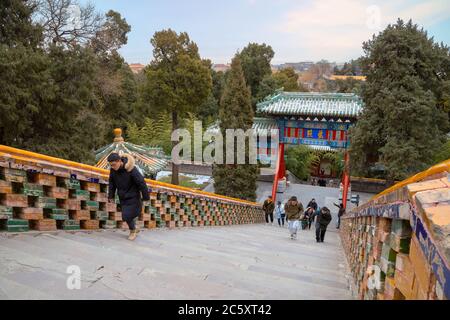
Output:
(398, 243)
(43, 193)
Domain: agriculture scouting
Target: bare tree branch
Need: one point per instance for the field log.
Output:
(67, 22)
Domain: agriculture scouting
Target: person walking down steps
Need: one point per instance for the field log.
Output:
(323, 219)
(129, 183)
(340, 214)
(279, 210)
(268, 208)
(293, 209)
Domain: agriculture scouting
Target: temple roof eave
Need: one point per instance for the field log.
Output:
(347, 105)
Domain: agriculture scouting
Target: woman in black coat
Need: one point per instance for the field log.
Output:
(129, 183)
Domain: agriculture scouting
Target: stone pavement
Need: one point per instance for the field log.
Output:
(230, 262)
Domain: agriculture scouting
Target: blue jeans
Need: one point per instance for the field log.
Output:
(281, 220)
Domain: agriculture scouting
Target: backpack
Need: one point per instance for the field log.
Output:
(325, 216)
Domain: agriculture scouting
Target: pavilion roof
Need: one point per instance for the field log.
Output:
(149, 160)
(345, 105)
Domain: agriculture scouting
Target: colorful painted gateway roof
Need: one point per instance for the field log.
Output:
(312, 104)
(149, 160)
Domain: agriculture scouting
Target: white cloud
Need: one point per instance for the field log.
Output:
(335, 29)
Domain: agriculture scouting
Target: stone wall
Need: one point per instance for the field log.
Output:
(45, 194)
(397, 245)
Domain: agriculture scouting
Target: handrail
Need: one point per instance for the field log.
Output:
(25, 155)
(438, 168)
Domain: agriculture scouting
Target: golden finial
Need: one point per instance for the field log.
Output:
(118, 135)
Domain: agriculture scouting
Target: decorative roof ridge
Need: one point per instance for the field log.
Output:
(336, 95)
(263, 119)
(317, 93)
(270, 99)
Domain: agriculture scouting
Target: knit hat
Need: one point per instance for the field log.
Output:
(113, 157)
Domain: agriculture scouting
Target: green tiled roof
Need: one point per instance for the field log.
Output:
(263, 125)
(312, 104)
(149, 160)
(260, 125)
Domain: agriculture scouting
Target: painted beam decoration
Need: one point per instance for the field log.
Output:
(315, 125)
(315, 133)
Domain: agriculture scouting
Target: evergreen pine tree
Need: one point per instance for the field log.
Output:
(404, 121)
(236, 112)
(16, 27)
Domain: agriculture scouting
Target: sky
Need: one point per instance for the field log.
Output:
(297, 30)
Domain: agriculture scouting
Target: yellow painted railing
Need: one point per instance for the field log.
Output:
(23, 155)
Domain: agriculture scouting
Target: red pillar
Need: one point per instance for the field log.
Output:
(346, 180)
(280, 170)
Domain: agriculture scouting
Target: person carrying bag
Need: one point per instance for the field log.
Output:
(294, 210)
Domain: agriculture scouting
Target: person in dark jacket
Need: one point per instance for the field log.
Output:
(312, 204)
(323, 219)
(340, 213)
(129, 183)
(309, 217)
(268, 208)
